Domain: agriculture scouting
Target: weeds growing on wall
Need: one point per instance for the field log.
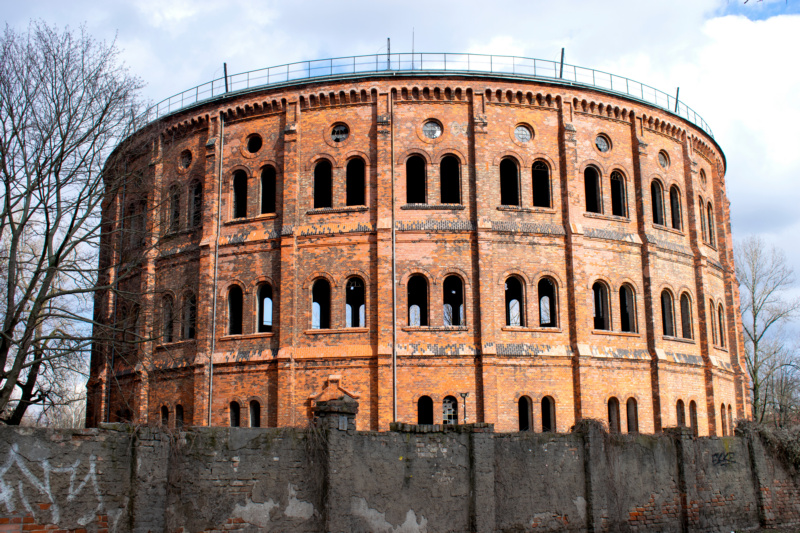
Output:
(784, 443)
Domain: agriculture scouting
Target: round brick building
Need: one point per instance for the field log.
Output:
(440, 243)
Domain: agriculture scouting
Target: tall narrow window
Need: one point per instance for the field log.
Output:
(633, 415)
(686, 316)
(449, 411)
(453, 301)
(613, 415)
(355, 308)
(509, 182)
(703, 228)
(321, 305)
(239, 194)
(619, 206)
(724, 419)
(235, 302)
(548, 311)
(268, 185)
(680, 412)
(417, 301)
(323, 186)
(355, 182)
(540, 174)
(255, 414)
(235, 414)
(591, 182)
(265, 308)
(712, 321)
(548, 414)
(693, 418)
(627, 309)
(178, 416)
(525, 414)
(416, 180)
(164, 416)
(730, 420)
(168, 319)
(189, 316)
(675, 207)
(711, 226)
(721, 323)
(450, 180)
(195, 204)
(514, 302)
(425, 410)
(174, 208)
(667, 314)
(657, 200)
(600, 307)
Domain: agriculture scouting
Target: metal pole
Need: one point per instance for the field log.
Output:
(225, 68)
(561, 71)
(216, 271)
(677, 93)
(388, 54)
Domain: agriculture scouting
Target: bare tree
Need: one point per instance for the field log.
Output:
(65, 103)
(764, 276)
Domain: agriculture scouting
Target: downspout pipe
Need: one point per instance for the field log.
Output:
(216, 269)
(394, 265)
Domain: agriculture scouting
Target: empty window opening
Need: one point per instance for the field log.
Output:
(168, 318)
(657, 198)
(417, 301)
(721, 322)
(416, 181)
(540, 174)
(600, 307)
(613, 415)
(189, 316)
(321, 305)
(675, 207)
(323, 192)
(453, 300)
(239, 194)
(703, 220)
(265, 308)
(450, 180)
(268, 183)
(633, 415)
(164, 415)
(514, 307)
(355, 182)
(724, 419)
(355, 309)
(525, 414)
(730, 420)
(235, 414)
(686, 317)
(255, 414)
(195, 204)
(591, 182)
(254, 143)
(667, 315)
(174, 208)
(712, 322)
(178, 416)
(693, 418)
(627, 310)
(425, 410)
(680, 412)
(235, 302)
(548, 414)
(449, 411)
(711, 230)
(618, 204)
(509, 182)
(547, 304)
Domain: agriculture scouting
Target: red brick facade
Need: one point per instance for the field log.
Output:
(482, 239)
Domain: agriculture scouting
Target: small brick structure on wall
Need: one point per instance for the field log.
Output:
(559, 252)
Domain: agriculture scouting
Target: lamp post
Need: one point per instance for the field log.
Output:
(464, 401)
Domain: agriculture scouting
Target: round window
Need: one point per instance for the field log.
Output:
(602, 143)
(663, 159)
(523, 133)
(186, 159)
(432, 129)
(340, 132)
(254, 143)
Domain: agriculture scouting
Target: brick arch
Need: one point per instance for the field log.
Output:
(231, 283)
(625, 280)
(441, 154)
(602, 278)
(355, 273)
(168, 292)
(313, 160)
(352, 154)
(617, 167)
(269, 163)
(234, 169)
(401, 159)
(419, 271)
(501, 279)
(521, 161)
(540, 156)
(664, 285)
(315, 276)
(448, 271)
(260, 280)
(592, 163)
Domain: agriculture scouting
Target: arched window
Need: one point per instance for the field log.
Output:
(633, 415)
(417, 301)
(657, 198)
(355, 308)
(425, 410)
(167, 319)
(693, 418)
(355, 182)
(195, 204)
(323, 185)
(416, 180)
(721, 323)
(675, 207)
(600, 307)
(627, 309)
(189, 316)
(548, 310)
(239, 194)
(703, 228)
(321, 305)
(164, 416)
(235, 303)
(686, 316)
(711, 230)
(619, 206)
(713, 322)
(680, 412)
(730, 420)
(268, 186)
(515, 306)
(174, 208)
(255, 414)
(453, 301)
(591, 182)
(525, 414)
(450, 180)
(724, 419)
(613, 415)
(235, 414)
(667, 315)
(449, 411)
(509, 182)
(548, 414)
(178, 416)
(265, 308)
(540, 174)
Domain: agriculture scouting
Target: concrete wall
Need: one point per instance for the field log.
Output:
(407, 481)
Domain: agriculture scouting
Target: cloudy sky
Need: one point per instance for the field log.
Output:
(736, 63)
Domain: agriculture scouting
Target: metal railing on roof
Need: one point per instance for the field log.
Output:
(378, 64)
